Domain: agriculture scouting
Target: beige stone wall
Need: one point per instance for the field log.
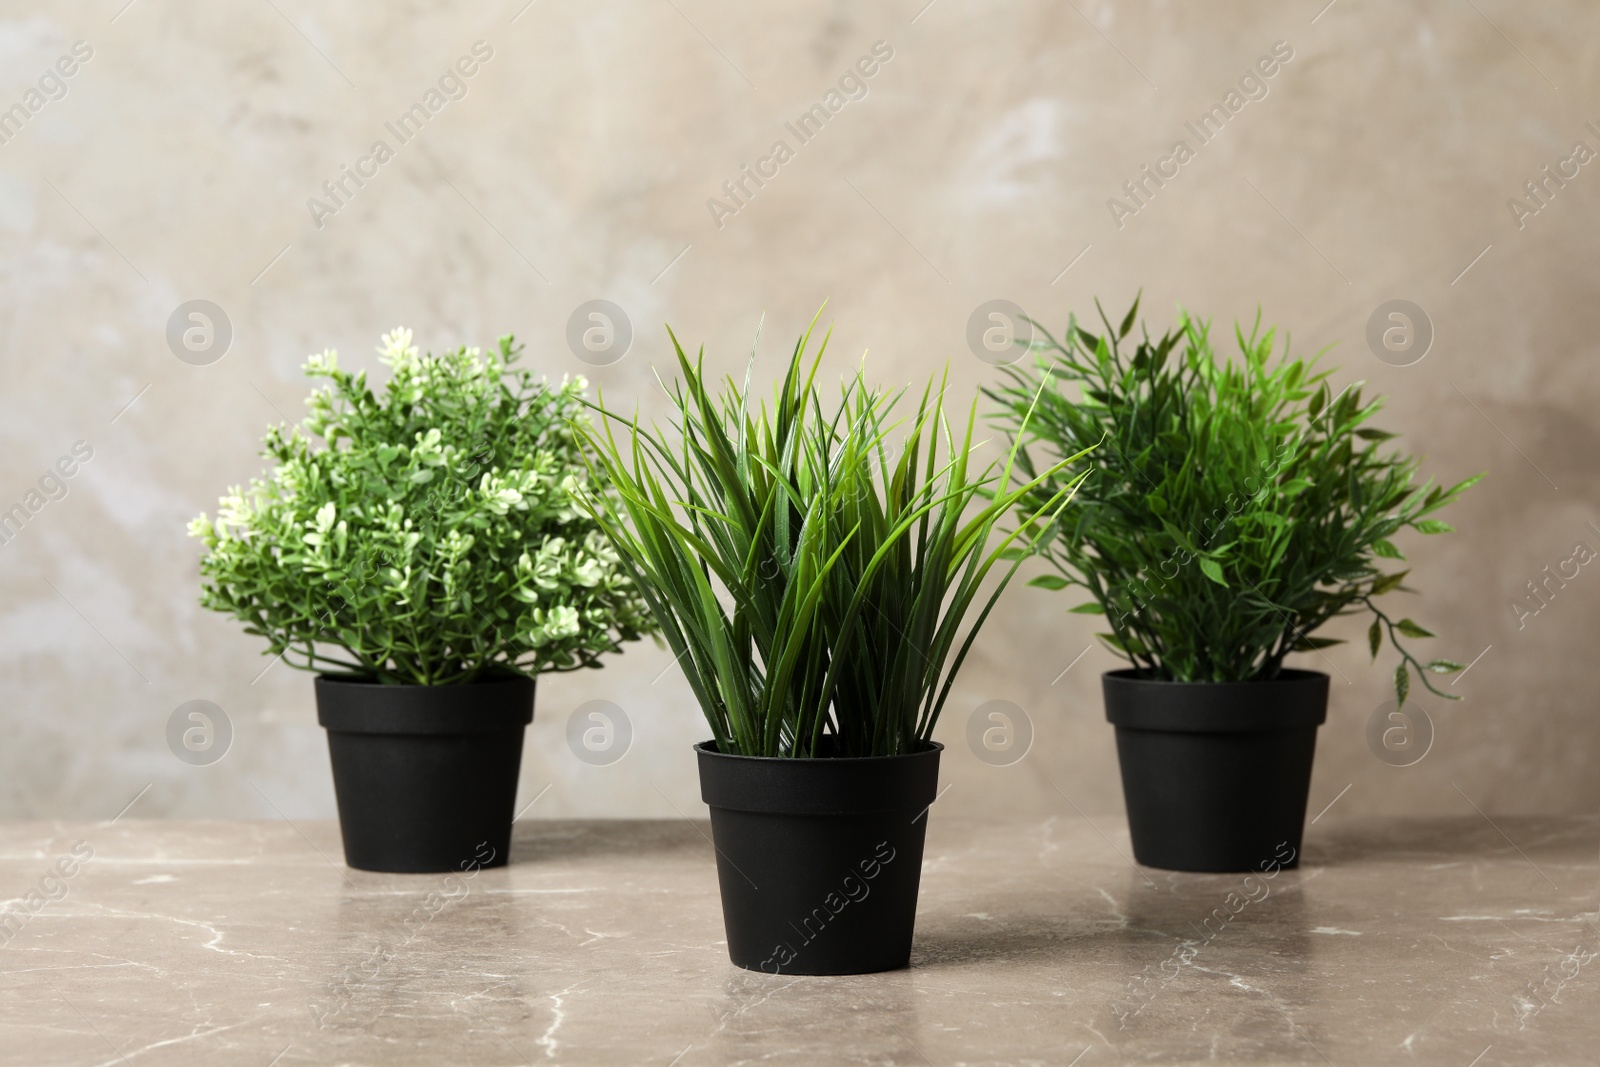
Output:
(578, 164)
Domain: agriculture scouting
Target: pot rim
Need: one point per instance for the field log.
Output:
(1295, 700)
(1286, 676)
(354, 705)
(353, 680)
(819, 785)
(709, 748)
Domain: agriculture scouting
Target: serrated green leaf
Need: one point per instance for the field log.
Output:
(1433, 526)
(1402, 684)
(1444, 666)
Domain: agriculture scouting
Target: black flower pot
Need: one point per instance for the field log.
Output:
(1216, 774)
(819, 860)
(426, 776)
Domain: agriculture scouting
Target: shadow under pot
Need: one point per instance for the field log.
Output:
(426, 776)
(819, 860)
(1216, 774)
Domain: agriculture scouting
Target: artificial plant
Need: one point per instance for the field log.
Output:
(427, 534)
(811, 573)
(1238, 506)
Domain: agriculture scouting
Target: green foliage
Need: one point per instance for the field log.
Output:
(433, 536)
(812, 585)
(1238, 506)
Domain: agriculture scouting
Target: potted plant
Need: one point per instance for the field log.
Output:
(813, 581)
(422, 549)
(1238, 507)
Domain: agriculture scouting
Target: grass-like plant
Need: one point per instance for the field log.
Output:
(433, 536)
(811, 577)
(1237, 507)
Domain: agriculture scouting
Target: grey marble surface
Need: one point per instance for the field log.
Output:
(1446, 941)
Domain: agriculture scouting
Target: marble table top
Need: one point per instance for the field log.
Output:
(1446, 941)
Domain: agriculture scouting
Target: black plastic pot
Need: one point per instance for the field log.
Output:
(426, 776)
(1216, 774)
(819, 860)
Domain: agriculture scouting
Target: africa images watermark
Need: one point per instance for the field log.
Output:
(1153, 584)
(1540, 592)
(452, 85)
(1139, 988)
(852, 86)
(1253, 85)
(1546, 989)
(1541, 190)
(853, 888)
(356, 977)
(51, 886)
(53, 486)
(52, 86)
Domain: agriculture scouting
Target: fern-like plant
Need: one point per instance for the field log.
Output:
(1236, 508)
(812, 579)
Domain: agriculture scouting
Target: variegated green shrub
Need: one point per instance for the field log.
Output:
(427, 534)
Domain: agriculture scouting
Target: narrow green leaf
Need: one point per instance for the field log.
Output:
(1312, 644)
(1388, 583)
(1127, 321)
(1402, 684)
(1375, 637)
(1411, 629)
(1090, 608)
(1048, 581)
(1463, 485)
(1213, 570)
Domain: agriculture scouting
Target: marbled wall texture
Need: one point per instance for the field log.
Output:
(932, 158)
